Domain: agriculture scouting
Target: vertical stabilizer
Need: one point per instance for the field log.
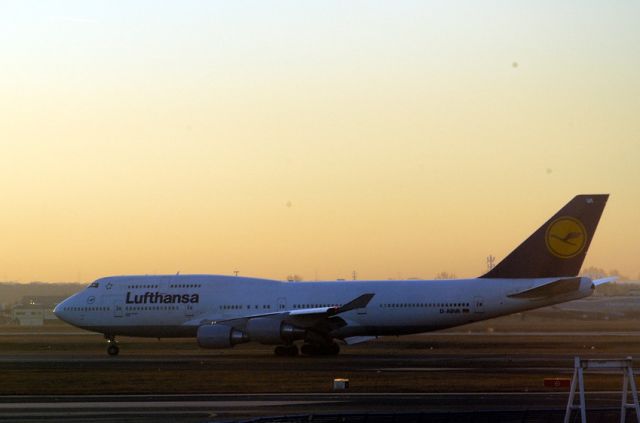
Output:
(557, 248)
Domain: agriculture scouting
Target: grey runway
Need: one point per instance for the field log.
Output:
(124, 408)
(473, 361)
(390, 370)
(191, 408)
(428, 334)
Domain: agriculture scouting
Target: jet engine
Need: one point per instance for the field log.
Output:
(273, 331)
(220, 336)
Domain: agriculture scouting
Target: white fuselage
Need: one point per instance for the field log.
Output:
(175, 306)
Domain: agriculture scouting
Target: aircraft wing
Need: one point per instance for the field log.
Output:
(359, 302)
(308, 315)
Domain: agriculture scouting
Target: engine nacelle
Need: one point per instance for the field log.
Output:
(272, 331)
(220, 336)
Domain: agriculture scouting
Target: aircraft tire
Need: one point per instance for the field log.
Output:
(113, 350)
(333, 349)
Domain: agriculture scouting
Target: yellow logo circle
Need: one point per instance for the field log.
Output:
(566, 237)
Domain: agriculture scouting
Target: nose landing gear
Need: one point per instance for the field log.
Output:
(112, 345)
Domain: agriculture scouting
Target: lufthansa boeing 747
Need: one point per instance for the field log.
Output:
(223, 311)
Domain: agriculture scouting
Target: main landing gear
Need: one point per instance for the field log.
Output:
(112, 345)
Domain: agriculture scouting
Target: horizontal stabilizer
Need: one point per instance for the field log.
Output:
(549, 289)
(602, 281)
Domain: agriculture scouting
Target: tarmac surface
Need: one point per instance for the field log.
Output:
(52, 375)
(430, 334)
(219, 407)
(203, 408)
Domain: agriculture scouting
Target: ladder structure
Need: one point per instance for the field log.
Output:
(623, 365)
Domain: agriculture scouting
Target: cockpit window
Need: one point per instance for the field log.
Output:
(94, 285)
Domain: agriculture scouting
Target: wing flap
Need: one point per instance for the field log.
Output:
(352, 340)
(312, 311)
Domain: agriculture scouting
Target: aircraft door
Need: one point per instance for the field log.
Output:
(117, 308)
(188, 310)
(282, 303)
(478, 304)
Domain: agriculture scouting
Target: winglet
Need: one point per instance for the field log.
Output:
(360, 302)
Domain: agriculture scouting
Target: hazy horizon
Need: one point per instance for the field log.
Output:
(397, 139)
(302, 278)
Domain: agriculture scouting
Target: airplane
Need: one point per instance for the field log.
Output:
(224, 311)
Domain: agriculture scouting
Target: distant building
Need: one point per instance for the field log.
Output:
(35, 311)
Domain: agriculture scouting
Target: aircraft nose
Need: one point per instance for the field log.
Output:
(59, 311)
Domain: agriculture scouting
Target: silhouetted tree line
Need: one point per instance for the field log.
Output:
(445, 275)
(13, 292)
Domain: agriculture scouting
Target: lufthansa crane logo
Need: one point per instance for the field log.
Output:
(566, 237)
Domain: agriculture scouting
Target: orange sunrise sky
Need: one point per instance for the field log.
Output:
(397, 139)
